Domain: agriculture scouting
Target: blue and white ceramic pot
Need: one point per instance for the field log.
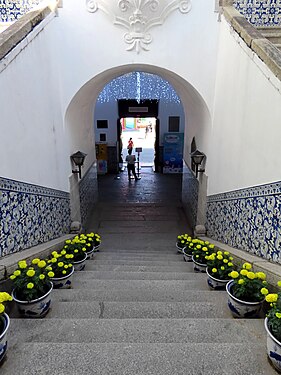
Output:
(64, 282)
(80, 265)
(242, 309)
(186, 256)
(198, 267)
(36, 308)
(215, 284)
(273, 348)
(4, 335)
(91, 253)
(96, 247)
(180, 249)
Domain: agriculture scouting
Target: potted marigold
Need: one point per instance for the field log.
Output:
(4, 324)
(32, 288)
(201, 249)
(219, 266)
(246, 292)
(272, 325)
(181, 242)
(61, 269)
(77, 248)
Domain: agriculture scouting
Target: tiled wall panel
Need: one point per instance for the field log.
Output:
(260, 12)
(248, 219)
(88, 193)
(11, 10)
(30, 215)
(190, 195)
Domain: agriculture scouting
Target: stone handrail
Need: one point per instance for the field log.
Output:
(266, 51)
(15, 33)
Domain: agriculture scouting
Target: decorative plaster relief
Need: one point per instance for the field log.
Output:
(260, 12)
(30, 215)
(248, 219)
(138, 17)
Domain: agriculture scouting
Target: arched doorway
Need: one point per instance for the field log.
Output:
(79, 124)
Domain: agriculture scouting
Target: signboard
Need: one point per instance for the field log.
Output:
(138, 149)
(173, 152)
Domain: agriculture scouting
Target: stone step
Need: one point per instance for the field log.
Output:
(137, 262)
(144, 295)
(181, 267)
(137, 331)
(139, 310)
(141, 359)
(119, 275)
(172, 256)
(139, 286)
(165, 250)
(139, 240)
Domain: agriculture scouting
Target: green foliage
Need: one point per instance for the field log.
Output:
(220, 265)
(31, 281)
(274, 313)
(249, 286)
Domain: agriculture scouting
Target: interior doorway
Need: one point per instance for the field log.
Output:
(142, 131)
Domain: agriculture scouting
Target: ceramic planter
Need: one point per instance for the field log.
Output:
(64, 282)
(180, 249)
(80, 265)
(273, 348)
(216, 284)
(37, 308)
(186, 256)
(242, 309)
(4, 336)
(199, 267)
(96, 247)
(91, 253)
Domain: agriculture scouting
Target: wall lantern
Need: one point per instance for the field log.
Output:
(78, 159)
(197, 157)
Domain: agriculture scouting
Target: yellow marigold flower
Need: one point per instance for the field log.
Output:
(65, 266)
(63, 272)
(51, 274)
(279, 283)
(30, 286)
(198, 247)
(30, 273)
(251, 275)
(35, 260)
(179, 237)
(272, 297)
(264, 291)
(214, 270)
(17, 272)
(67, 241)
(247, 266)
(197, 256)
(63, 252)
(219, 252)
(54, 260)
(230, 264)
(226, 253)
(222, 268)
(22, 264)
(182, 241)
(5, 297)
(234, 274)
(219, 257)
(84, 249)
(70, 265)
(261, 275)
(230, 258)
(225, 261)
(2, 308)
(278, 315)
(264, 282)
(49, 268)
(241, 281)
(211, 246)
(41, 277)
(12, 277)
(76, 251)
(60, 264)
(204, 248)
(42, 264)
(244, 272)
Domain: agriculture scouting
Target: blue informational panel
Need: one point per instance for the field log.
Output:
(173, 152)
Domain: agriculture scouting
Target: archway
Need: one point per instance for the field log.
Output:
(79, 127)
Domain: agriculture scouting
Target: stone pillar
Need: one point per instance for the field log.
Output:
(74, 198)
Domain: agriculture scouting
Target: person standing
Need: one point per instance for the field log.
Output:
(130, 144)
(131, 159)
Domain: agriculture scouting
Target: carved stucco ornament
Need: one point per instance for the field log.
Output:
(138, 17)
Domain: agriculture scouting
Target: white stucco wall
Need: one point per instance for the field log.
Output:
(245, 146)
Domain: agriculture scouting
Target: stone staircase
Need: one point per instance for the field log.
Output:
(138, 308)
